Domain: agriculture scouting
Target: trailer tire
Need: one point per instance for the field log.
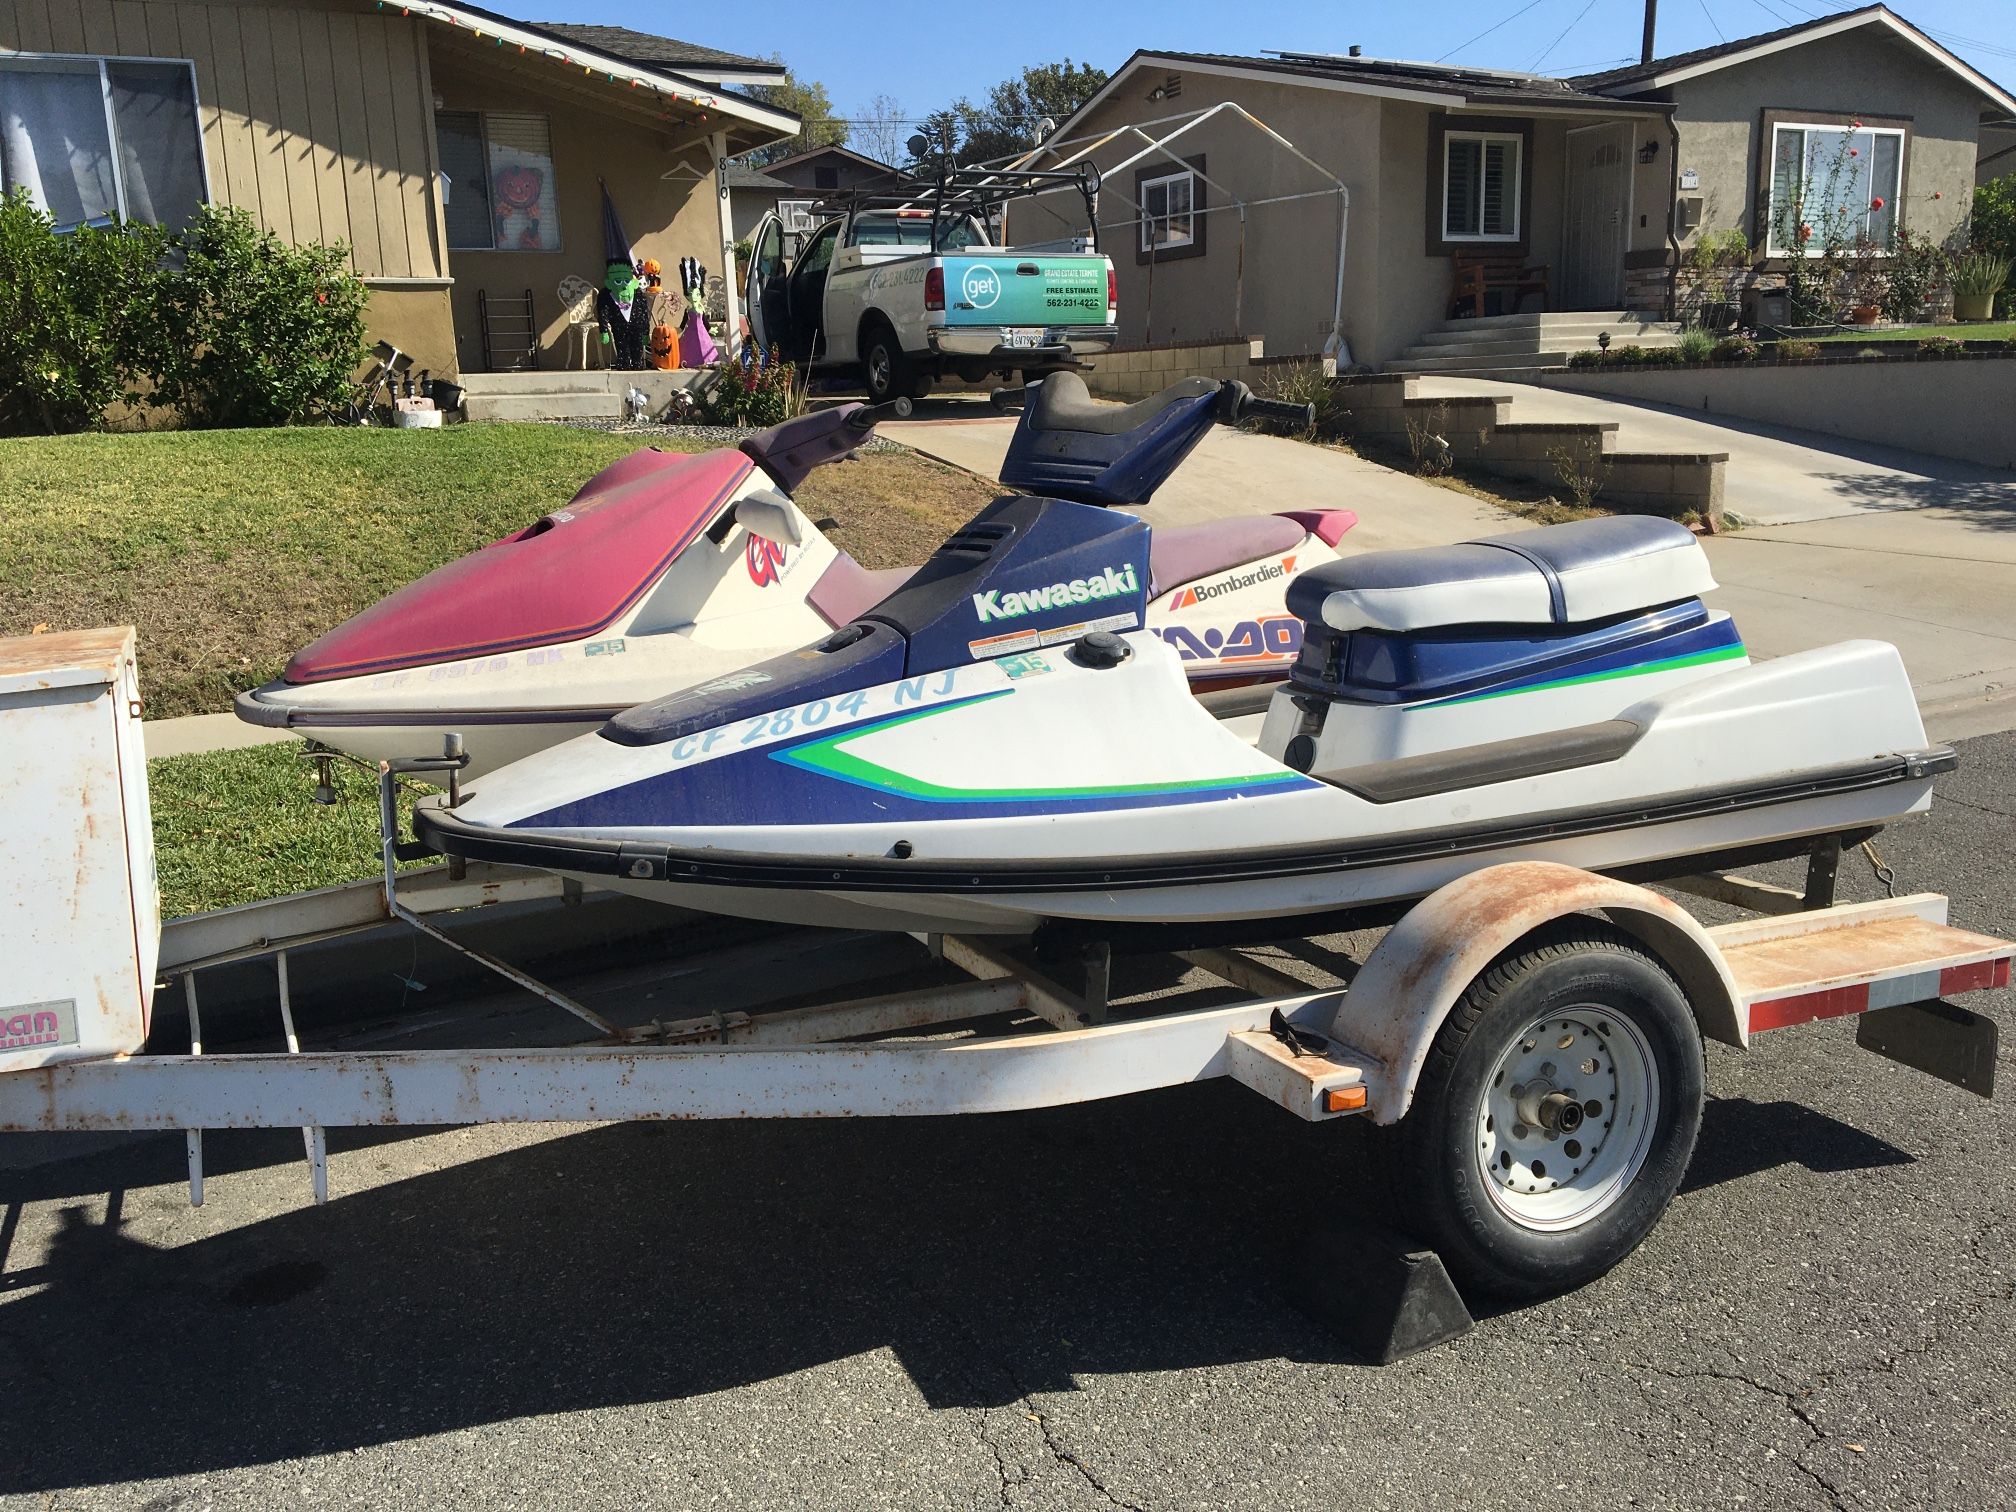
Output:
(1579, 1030)
(885, 372)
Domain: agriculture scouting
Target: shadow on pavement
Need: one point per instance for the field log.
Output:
(995, 1256)
(1986, 502)
(1741, 1138)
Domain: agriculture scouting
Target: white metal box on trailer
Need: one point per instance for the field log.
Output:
(80, 916)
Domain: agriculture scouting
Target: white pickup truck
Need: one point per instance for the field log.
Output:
(870, 292)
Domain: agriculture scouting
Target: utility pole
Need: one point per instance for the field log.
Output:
(1651, 26)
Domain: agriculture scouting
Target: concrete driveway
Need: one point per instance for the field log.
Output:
(1934, 572)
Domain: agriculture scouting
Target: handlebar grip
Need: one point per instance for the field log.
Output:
(1303, 415)
(868, 416)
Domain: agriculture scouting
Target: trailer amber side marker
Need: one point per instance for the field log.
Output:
(1344, 1099)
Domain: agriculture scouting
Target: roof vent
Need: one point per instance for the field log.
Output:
(1357, 51)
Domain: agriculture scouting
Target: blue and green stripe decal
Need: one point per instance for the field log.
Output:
(1541, 683)
(828, 756)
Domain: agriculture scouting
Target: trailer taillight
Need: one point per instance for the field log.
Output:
(1112, 289)
(934, 289)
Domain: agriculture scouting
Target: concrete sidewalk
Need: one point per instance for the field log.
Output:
(1776, 475)
(193, 734)
(1936, 581)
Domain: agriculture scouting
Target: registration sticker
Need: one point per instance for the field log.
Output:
(603, 648)
(1028, 664)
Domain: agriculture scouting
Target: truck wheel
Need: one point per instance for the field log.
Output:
(885, 371)
(1555, 1115)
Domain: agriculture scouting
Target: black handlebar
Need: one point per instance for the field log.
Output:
(1303, 416)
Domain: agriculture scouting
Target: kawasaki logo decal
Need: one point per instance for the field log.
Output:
(994, 604)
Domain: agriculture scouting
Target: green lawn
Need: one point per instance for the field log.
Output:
(232, 549)
(1987, 330)
(235, 826)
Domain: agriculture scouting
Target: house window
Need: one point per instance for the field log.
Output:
(1833, 185)
(93, 140)
(1168, 212)
(499, 168)
(1480, 186)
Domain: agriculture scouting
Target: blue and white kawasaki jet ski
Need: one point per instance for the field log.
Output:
(1002, 743)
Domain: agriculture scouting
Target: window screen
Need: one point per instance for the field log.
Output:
(1826, 185)
(1480, 188)
(63, 120)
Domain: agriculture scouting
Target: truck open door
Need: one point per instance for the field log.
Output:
(764, 296)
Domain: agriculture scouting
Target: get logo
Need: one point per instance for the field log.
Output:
(766, 561)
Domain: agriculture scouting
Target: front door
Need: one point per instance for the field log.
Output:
(1596, 210)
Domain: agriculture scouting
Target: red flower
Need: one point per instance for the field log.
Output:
(1876, 203)
(1858, 125)
(1805, 233)
(321, 298)
(1854, 152)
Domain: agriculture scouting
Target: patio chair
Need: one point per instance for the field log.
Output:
(577, 298)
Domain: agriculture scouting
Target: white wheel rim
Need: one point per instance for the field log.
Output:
(1556, 1178)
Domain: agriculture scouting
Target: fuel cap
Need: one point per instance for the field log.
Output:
(1102, 648)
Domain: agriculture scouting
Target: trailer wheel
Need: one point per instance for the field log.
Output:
(1555, 1115)
(885, 372)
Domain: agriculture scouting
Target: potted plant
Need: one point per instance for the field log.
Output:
(1977, 278)
(1865, 283)
(1718, 263)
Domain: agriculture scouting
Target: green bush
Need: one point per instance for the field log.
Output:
(1992, 227)
(1696, 345)
(1661, 356)
(1917, 268)
(1627, 356)
(1736, 349)
(76, 325)
(757, 393)
(1587, 358)
(257, 331)
(1798, 351)
(1305, 383)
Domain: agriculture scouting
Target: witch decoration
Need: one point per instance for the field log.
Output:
(622, 309)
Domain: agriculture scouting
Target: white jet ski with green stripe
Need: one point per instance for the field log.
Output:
(1559, 694)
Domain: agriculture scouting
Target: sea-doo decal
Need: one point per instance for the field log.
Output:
(1271, 638)
(1013, 603)
(830, 757)
(1735, 652)
(766, 561)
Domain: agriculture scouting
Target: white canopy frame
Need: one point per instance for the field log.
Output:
(1336, 351)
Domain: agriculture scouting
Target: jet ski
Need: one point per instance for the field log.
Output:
(668, 570)
(1560, 694)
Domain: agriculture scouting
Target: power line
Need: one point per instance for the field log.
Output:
(1534, 66)
(1720, 35)
(1490, 29)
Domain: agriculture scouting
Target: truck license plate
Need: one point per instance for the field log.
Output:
(1020, 338)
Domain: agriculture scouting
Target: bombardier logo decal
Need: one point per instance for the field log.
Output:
(1233, 582)
(994, 604)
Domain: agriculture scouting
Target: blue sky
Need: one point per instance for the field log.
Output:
(924, 53)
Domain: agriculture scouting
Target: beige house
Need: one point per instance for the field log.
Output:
(1466, 192)
(459, 153)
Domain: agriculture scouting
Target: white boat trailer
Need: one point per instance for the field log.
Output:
(1372, 1049)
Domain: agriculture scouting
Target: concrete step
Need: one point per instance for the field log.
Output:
(1425, 350)
(1543, 320)
(1554, 338)
(542, 406)
(542, 381)
(1506, 362)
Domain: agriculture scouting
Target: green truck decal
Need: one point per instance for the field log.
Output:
(993, 291)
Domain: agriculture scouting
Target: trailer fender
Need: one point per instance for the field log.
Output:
(1411, 981)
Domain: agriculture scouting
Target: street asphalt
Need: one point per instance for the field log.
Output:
(1079, 1308)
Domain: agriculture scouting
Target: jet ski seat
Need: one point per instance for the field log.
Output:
(1063, 403)
(1558, 575)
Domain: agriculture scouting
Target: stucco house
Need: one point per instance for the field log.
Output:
(459, 153)
(1478, 192)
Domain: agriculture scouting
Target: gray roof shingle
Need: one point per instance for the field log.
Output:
(648, 51)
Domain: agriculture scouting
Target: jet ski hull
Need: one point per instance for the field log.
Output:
(994, 797)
